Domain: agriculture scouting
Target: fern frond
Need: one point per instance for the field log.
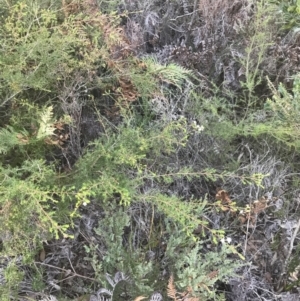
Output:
(171, 290)
(175, 74)
(46, 126)
(172, 73)
(185, 296)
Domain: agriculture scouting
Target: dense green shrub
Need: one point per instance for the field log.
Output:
(58, 60)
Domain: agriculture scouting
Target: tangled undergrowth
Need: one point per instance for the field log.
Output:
(149, 150)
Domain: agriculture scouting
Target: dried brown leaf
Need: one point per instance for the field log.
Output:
(172, 289)
(139, 298)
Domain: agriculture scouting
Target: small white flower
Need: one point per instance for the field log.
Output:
(226, 240)
(229, 240)
(200, 128)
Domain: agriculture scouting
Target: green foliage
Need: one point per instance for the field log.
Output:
(39, 51)
(186, 214)
(9, 139)
(33, 53)
(281, 121)
(10, 284)
(201, 275)
(44, 50)
(104, 168)
(290, 11)
(28, 207)
(191, 266)
(46, 127)
(260, 35)
(170, 74)
(224, 111)
(196, 269)
(117, 257)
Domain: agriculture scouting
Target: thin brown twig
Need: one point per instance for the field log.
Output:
(64, 270)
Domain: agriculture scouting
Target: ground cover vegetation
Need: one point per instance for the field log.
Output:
(149, 150)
